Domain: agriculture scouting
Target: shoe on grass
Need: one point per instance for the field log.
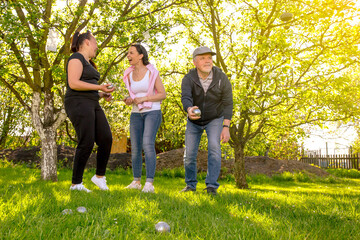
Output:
(211, 191)
(188, 189)
(148, 188)
(79, 187)
(134, 185)
(100, 182)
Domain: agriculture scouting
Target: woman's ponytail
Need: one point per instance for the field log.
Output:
(74, 41)
(77, 41)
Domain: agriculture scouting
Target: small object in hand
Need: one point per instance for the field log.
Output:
(110, 86)
(67, 211)
(197, 112)
(81, 209)
(162, 227)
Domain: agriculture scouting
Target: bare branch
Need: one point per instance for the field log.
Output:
(115, 61)
(20, 59)
(16, 93)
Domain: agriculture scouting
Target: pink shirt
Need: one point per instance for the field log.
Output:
(153, 75)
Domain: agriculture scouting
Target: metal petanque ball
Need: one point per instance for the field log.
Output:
(197, 112)
(162, 227)
(286, 16)
(110, 86)
(81, 209)
(67, 211)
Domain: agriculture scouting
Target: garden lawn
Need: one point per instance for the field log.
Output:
(279, 208)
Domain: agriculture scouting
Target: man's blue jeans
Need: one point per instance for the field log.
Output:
(192, 139)
(143, 130)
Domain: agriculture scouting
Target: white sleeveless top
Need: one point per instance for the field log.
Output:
(140, 89)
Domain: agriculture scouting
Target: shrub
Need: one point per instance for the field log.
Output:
(302, 177)
(331, 179)
(258, 178)
(172, 173)
(284, 177)
(347, 173)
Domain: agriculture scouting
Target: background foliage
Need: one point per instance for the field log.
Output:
(284, 74)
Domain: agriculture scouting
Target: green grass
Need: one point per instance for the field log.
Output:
(289, 208)
(347, 173)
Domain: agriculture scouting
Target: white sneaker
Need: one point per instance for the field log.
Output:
(134, 185)
(79, 187)
(148, 188)
(100, 182)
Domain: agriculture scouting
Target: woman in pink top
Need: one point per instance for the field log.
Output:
(145, 94)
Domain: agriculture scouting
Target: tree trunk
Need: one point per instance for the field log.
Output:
(49, 155)
(240, 175)
(6, 127)
(47, 133)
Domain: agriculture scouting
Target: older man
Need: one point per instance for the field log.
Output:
(206, 88)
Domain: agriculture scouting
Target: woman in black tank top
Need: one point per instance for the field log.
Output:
(84, 111)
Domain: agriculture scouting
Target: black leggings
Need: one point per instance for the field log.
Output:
(91, 126)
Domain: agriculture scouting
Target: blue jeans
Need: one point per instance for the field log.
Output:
(143, 130)
(192, 139)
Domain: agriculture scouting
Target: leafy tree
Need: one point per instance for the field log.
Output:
(24, 30)
(12, 120)
(284, 73)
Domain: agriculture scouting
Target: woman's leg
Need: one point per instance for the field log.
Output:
(136, 137)
(103, 139)
(82, 115)
(151, 126)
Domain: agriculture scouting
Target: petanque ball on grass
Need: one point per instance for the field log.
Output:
(162, 227)
(67, 211)
(197, 112)
(81, 209)
(286, 16)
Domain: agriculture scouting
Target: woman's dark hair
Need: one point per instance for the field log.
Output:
(77, 41)
(141, 50)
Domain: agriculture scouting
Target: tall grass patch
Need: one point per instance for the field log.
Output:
(348, 173)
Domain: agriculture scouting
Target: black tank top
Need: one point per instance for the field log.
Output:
(89, 75)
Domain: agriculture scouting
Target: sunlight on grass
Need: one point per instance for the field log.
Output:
(239, 211)
(60, 196)
(140, 210)
(270, 209)
(19, 203)
(193, 199)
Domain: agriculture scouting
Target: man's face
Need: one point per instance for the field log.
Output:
(204, 62)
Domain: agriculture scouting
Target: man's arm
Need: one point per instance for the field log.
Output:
(227, 101)
(225, 133)
(186, 93)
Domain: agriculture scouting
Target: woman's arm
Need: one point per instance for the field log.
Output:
(107, 96)
(160, 95)
(75, 69)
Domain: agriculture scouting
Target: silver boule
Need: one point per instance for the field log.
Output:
(162, 227)
(197, 112)
(81, 209)
(67, 211)
(110, 86)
